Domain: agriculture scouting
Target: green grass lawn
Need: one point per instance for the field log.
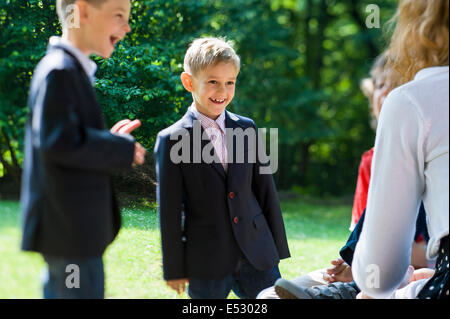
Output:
(133, 262)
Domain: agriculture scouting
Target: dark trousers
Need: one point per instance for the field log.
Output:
(246, 282)
(74, 278)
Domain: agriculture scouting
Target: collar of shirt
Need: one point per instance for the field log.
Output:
(88, 65)
(424, 73)
(207, 122)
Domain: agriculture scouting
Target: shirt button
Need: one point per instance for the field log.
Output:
(231, 195)
(235, 220)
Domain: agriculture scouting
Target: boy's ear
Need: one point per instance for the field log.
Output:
(186, 79)
(83, 10)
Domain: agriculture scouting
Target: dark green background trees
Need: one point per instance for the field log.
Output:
(302, 62)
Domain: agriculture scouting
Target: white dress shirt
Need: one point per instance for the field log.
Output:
(88, 65)
(410, 164)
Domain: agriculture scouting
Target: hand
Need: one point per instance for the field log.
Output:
(362, 295)
(139, 154)
(340, 271)
(125, 126)
(422, 273)
(179, 285)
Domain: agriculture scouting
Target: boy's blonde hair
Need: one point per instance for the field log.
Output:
(421, 36)
(63, 9)
(205, 52)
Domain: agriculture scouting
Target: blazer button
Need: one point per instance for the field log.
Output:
(235, 220)
(231, 195)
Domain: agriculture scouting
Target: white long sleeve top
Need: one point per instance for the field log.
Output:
(410, 164)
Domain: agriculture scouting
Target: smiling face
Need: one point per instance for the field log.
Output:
(105, 25)
(212, 88)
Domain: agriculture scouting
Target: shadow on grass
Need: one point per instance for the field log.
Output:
(10, 214)
(140, 216)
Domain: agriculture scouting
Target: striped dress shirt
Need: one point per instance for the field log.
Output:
(216, 133)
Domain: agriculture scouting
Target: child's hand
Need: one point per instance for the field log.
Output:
(125, 126)
(422, 273)
(139, 154)
(362, 295)
(179, 285)
(340, 271)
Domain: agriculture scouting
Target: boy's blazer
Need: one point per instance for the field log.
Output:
(210, 218)
(68, 203)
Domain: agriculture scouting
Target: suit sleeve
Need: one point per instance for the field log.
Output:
(61, 137)
(267, 196)
(169, 194)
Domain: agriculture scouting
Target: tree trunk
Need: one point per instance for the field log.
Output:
(304, 161)
(13, 170)
(10, 170)
(12, 151)
(313, 67)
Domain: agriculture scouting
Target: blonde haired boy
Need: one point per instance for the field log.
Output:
(221, 223)
(70, 211)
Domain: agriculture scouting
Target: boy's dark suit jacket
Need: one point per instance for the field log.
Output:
(226, 215)
(68, 203)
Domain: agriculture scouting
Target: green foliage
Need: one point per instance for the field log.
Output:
(302, 62)
(142, 80)
(25, 27)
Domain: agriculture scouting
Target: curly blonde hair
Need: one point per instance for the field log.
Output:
(421, 37)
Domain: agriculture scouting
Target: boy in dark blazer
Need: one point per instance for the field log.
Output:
(221, 222)
(70, 213)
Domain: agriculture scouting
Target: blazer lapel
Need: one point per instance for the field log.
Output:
(232, 122)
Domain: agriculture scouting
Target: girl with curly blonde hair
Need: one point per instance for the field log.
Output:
(420, 39)
(411, 162)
